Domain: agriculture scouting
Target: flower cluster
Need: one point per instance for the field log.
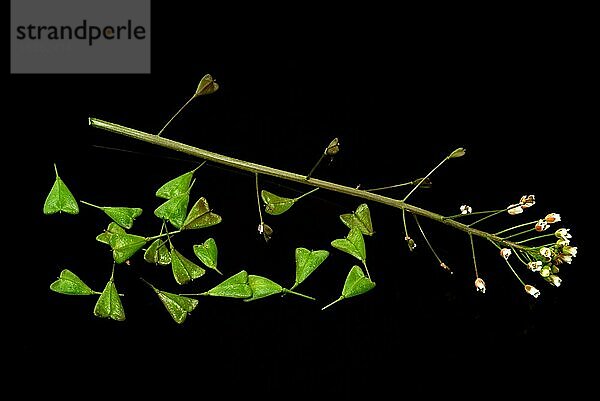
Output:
(547, 259)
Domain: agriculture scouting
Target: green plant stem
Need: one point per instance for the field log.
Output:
(514, 272)
(286, 291)
(509, 265)
(312, 170)
(306, 194)
(515, 227)
(364, 262)
(162, 235)
(404, 223)
(517, 253)
(487, 217)
(474, 259)
(427, 240)
(389, 187)
(258, 200)
(200, 294)
(520, 233)
(332, 303)
(90, 204)
(534, 238)
(424, 178)
(149, 285)
(454, 216)
(285, 175)
(175, 115)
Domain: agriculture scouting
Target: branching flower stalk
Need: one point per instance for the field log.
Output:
(174, 210)
(289, 176)
(542, 259)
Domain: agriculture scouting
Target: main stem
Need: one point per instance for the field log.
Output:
(286, 175)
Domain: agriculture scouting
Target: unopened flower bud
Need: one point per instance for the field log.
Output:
(480, 285)
(545, 272)
(446, 268)
(555, 280)
(466, 209)
(541, 225)
(460, 152)
(505, 253)
(411, 243)
(527, 201)
(535, 266)
(514, 210)
(531, 290)
(552, 218)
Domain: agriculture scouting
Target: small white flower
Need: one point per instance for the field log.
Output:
(261, 228)
(527, 201)
(555, 280)
(514, 210)
(531, 290)
(480, 285)
(546, 252)
(552, 218)
(505, 253)
(466, 209)
(570, 250)
(563, 233)
(563, 242)
(541, 225)
(535, 266)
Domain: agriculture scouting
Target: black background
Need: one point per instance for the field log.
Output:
(400, 95)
